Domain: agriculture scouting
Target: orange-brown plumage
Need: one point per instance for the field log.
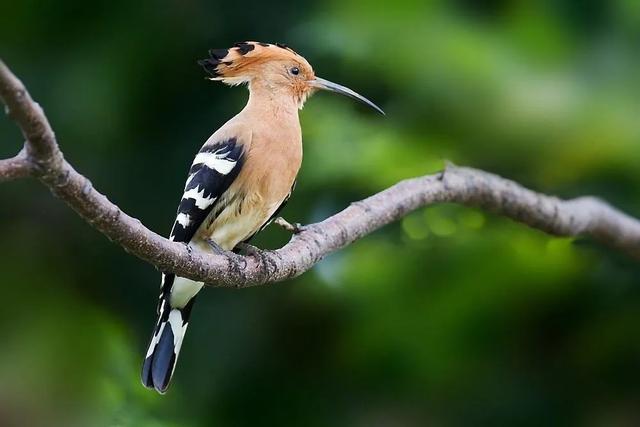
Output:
(251, 61)
(273, 155)
(239, 179)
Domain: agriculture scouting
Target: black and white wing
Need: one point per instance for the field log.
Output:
(212, 172)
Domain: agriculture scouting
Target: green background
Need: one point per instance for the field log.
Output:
(451, 317)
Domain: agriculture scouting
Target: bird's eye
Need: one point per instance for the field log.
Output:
(295, 71)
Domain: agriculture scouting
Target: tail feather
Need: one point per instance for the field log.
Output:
(164, 348)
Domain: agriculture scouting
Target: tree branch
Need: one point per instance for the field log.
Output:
(15, 167)
(42, 158)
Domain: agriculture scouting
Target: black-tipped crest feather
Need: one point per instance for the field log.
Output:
(245, 47)
(225, 62)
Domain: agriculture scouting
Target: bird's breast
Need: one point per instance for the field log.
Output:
(269, 170)
(274, 159)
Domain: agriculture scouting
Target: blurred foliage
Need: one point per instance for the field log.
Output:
(451, 317)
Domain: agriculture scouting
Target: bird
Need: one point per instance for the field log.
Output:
(239, 180)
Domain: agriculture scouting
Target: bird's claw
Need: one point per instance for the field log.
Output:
(189, 249)
(294, 228)
(250, 250)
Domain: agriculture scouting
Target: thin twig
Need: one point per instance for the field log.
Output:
(16, 167)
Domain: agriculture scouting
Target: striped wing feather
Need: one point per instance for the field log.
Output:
(212, 172)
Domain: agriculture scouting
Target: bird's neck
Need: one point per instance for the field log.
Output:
(271, 101)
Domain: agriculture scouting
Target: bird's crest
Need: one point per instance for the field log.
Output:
(235, 65)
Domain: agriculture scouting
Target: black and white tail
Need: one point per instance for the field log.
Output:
(174, 309)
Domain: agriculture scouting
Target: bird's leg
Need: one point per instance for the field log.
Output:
(215, 247)
(294, 228)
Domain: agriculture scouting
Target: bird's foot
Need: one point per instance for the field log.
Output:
(189, 249)
(294, 228)
(250, 250)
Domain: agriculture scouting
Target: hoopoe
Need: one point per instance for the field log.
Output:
(239, 180)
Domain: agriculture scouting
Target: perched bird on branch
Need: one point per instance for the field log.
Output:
(239, 180)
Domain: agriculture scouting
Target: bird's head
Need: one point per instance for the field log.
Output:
(273, 66)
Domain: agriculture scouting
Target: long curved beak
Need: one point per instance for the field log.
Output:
(323, 84)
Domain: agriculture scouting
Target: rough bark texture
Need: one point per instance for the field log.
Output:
(42, 159)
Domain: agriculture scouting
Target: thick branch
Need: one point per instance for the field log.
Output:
(585, 216)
